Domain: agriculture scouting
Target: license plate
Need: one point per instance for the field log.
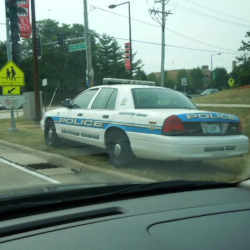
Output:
(211, 128)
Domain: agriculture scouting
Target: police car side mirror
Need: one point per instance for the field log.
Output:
(67, 103)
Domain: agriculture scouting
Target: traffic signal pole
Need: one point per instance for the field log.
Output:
(89, 68)
(35, 64)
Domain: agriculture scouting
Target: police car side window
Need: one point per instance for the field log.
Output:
(103, 99)
(82, 101)
(112, 100)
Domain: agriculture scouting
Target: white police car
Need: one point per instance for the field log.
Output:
(149, 122)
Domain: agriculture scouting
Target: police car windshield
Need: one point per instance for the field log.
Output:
(160, 98)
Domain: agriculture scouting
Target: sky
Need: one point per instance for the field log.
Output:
(196, 31)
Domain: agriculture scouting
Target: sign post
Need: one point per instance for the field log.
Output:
(184, 83)
(11, 81)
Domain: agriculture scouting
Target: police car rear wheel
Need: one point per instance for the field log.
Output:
(120, 152)
(51, 138)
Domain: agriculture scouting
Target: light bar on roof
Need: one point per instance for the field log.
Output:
(111, 81)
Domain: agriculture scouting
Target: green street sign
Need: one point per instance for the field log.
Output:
(77, 47)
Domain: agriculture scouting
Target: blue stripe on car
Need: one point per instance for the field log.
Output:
(129, 128)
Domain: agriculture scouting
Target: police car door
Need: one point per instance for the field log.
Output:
(75, 118)
(101, 113)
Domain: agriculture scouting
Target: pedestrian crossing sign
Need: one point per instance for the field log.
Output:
(11, 75)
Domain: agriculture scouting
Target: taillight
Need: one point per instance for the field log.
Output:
(173, 126)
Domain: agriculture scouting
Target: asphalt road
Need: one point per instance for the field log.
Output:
(13, 178)
(20, 169)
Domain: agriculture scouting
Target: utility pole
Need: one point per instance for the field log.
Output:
(8, 45)
(159, 15)
(10, 58)
(89, 70)
(35, 62)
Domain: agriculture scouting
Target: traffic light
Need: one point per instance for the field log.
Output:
(128, 56)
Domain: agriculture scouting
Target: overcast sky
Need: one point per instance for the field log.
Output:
(196, 29)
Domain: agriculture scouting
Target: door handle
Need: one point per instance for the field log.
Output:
(79, 114)
(105, 116)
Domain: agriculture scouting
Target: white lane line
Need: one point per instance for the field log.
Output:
(12, 164)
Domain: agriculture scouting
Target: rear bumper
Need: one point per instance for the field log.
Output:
(188, 148)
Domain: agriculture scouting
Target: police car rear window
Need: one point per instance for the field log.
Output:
(160, 98)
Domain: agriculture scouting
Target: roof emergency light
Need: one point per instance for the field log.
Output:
(112, 81)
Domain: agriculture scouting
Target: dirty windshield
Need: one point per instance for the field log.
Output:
(109, 92)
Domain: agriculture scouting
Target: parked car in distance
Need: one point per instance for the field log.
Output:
(209, 91)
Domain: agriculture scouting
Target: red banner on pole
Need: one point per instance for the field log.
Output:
(127, 56)
(24, 18)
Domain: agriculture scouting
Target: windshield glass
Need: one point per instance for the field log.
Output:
(158, 98)
(100, 93)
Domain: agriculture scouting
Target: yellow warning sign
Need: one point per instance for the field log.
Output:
(231, 82)
(11, 75)
(10, 90)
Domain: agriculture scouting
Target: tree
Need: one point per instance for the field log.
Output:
(241, 72)
(67, 71)
(220, 78)
(140, 75)
(3, 55)
(196, 82)
(152, 77)
(181, 74)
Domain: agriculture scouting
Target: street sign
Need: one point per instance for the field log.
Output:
(44, 82)
(184, 81)
(77, 47)
(10, 90)
(231, 82)
(12, 102)
(11, 75)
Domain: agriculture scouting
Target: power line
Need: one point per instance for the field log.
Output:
(177, 47)
(219, 19)
(218, 11)
(170, 30)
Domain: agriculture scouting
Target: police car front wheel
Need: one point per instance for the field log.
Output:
(51, 138)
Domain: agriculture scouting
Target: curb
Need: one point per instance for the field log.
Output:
(56, 158)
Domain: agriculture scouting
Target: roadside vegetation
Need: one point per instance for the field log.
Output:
(229, 96)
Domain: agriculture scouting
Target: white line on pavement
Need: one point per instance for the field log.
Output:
(29, 171)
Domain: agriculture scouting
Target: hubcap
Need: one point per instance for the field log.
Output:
(117, 150)
(50, 135)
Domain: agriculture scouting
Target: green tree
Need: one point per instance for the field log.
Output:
(220, 78)
(67, 71)
(241, 73)
(181, 74)
(152, 77)
(196, 82)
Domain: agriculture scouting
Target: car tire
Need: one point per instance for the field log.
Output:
(50, 135)
(119, 150)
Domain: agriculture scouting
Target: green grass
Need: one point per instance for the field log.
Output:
(230, 96)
